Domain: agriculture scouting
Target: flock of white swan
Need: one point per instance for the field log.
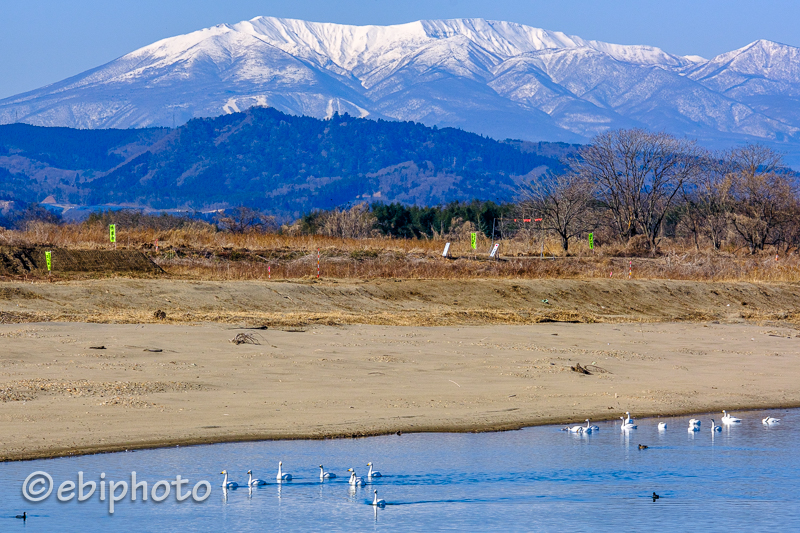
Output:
(354, 481)
(360, 481)
(694, 424)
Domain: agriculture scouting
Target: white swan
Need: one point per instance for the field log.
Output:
(253, 482)
(228, 484)
(372, 473)
(323, 475)
(355, 481)
(769, 421)
(662, 426)
(590, 428)
(629, 420)
(694, 427)
(376, 502)
(281, 476)
(625, 425)
(714, 426)
(694, 422)
(728, 419)
(576, 429)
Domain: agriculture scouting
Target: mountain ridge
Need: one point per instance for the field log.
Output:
(284, 164)
(497, 78)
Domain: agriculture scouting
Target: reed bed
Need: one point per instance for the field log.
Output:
(205, 254)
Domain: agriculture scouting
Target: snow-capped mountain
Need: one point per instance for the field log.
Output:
(496, 78)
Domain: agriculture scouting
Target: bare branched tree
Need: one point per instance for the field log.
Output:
(639, 176)
(707, 203)
(245, 219)
(563, 202)
(763, 194)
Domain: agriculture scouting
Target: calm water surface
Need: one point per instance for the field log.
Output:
(537, 479)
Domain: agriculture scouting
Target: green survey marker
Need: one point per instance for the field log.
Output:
(473, 240)
(112, 232)
(591, 241)
(47, 257)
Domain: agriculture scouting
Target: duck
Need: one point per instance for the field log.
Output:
(662, 426)
(281, 476)
(625, 425)
(24, 515)
(643, 446)
(354, 480)
(728, 419)
(323, 475)
(376, 502)
(769, 421)
(228, 484)
(253, 482)
(372, 473)
(655, 496)
(714, 426)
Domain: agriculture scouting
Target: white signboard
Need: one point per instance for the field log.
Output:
(494, 249)
(446, 249)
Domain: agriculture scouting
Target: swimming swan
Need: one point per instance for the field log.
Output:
(694, 422)
(662, 426)
(253, 482)
(228, 484)
(576, 429)
(378, 503)
(590, 428)
(354, 480)
(625, 425)
(728, 419)
(694, 427)
(769, 421)
(372, 473)
(325, 475)
(714, 426)
(281, 476)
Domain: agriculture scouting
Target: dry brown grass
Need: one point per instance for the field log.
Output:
(202, 253)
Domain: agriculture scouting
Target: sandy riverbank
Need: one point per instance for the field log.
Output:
(58, 396)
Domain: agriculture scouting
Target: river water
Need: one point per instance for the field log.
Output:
(536, 479)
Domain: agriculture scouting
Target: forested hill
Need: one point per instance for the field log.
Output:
(263, 158)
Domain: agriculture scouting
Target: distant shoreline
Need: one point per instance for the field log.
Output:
(122, 448)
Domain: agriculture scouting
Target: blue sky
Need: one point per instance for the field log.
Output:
(43, 41)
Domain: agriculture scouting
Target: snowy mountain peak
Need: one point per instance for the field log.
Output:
(498, 78)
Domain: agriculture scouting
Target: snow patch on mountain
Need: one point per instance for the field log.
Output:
(497, 78)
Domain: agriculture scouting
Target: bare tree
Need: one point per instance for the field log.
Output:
(354, 223)
(638, 176)
(244, 219)
(707, 203)
(563, 201)
(763, 196)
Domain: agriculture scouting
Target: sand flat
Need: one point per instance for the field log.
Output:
(59, 397)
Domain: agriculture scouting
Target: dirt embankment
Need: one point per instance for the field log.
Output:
(19, 261)
(397, 302)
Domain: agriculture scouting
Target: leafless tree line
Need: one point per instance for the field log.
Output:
(630, 182)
